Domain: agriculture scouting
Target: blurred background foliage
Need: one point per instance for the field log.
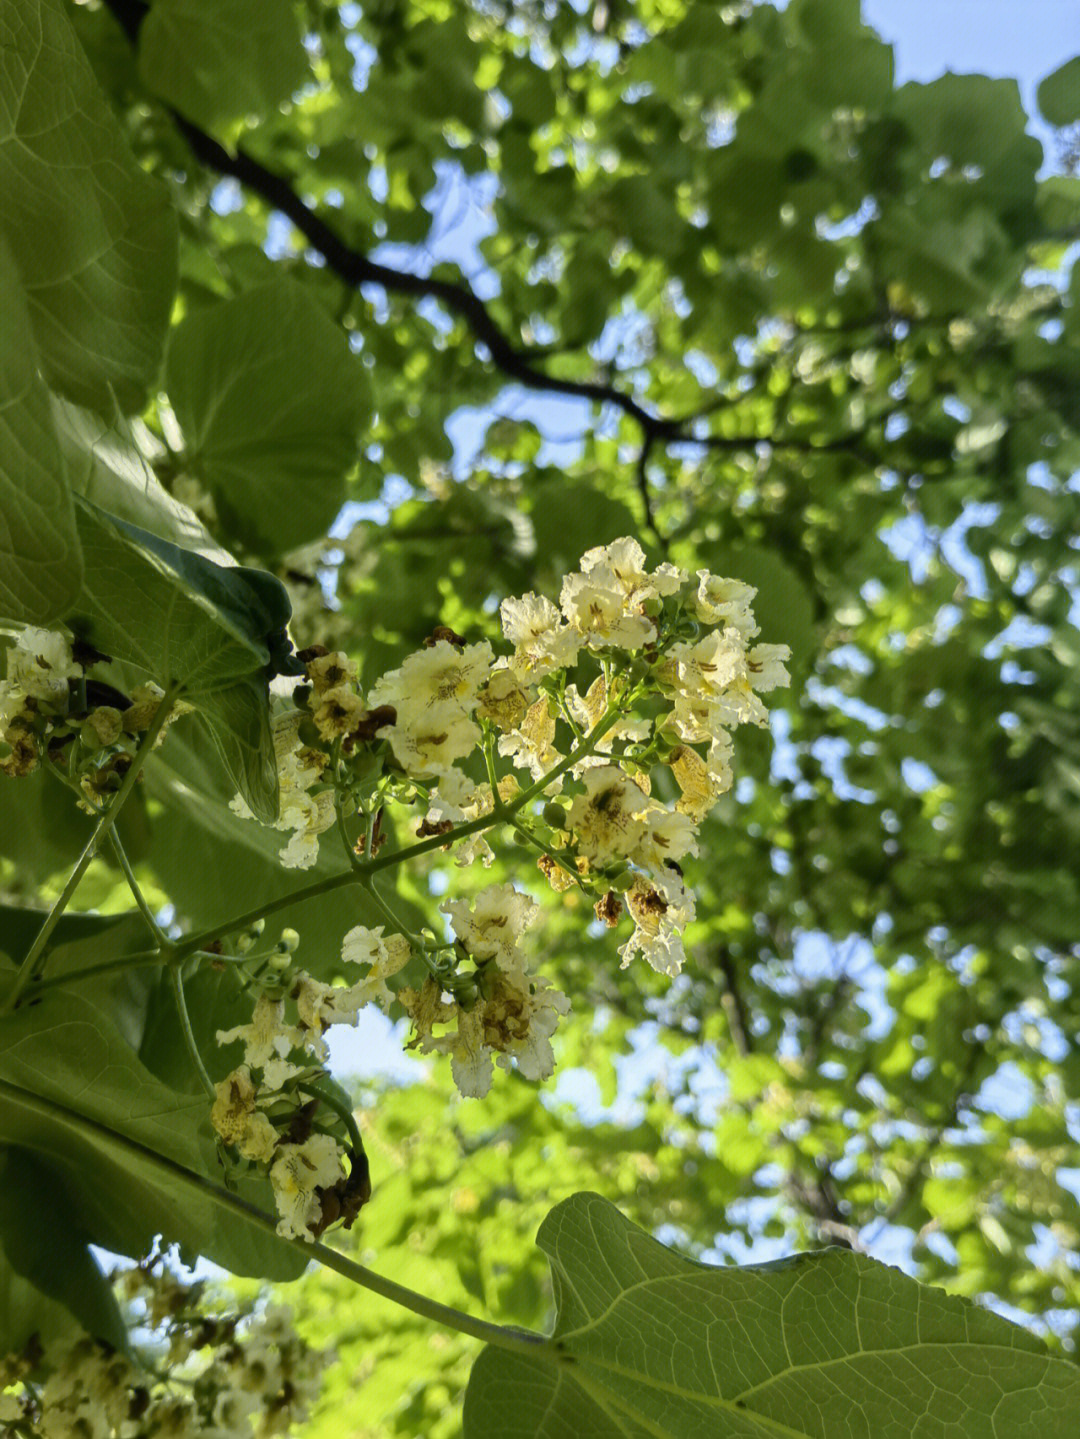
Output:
(786, 321)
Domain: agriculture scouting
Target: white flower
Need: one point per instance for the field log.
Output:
(766, 665)
(267, 1036)
(40, 663)
(296, 1173)
(669, 834)
(439, 675)
(491, 930)
(320, 1005)
(705, 670)
(595, 604)
(328, 672)
(724, 602)
(456, 800)
(505, 697)
(543, 641)
(429, 741)
(520, 1022)
(603, 818)
(530, 745)
(385, 956)
(625, 560)
(661, 908)
(307, 815)
(470, 1059)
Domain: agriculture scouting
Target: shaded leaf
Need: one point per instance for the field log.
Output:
(223, 62)
(65, 1049)
(55, 1256)
(268, 398)
(40, 559)
(100, 287)
(195, 622)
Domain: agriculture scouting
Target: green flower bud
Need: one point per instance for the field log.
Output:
(466, 991)
(288, 942)
(555, 815)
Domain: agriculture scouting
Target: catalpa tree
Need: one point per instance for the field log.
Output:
(719, 757)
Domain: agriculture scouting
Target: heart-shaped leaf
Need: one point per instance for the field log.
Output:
(92, 234)
(650, 1345)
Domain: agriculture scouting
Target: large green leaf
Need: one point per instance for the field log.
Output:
(224, 61)
(65, 1050)
(54, 1257)
(648, 1343)
(93, 236)
(40, 559)
(269, 400)
(1059, 94)
(176, 616)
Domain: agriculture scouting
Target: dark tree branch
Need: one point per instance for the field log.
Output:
(734, 1004)
(356, 269)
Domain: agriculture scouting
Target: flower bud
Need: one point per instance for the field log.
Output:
(288, 942)
(466, 992)
(555, 815)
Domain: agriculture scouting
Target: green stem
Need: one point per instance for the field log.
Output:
(33, 964)
(519, 1341)
(343, 1112)
(140, 899)
(176, 980)
(345, 843)
(524, 832)
(367, 867)
(142, 959)
(489, 761)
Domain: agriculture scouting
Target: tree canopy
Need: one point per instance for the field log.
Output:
(331, 331)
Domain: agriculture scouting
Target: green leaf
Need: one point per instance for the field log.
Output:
(213, 864)
(66, 1050)
(112, 465)
(80, 941)
(54, 1257)
(268, 398)
(178, 617)
(92, 235)
(40, 559)
(648, 1343)
(29, 1319)
(1059, 94)
(224, 62)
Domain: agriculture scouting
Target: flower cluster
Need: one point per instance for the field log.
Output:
(615, 709)
(242, 1375)
(496, 1006)
(275, 1110)
(660, 635)
(50, 705)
